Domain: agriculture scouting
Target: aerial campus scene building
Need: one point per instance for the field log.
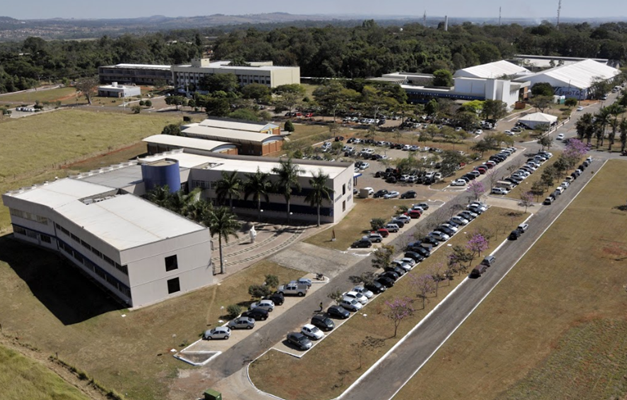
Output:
(390, 262)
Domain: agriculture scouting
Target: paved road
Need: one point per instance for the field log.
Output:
(385, 379)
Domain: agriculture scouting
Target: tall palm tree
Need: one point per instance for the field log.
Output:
(222, 222)
(319, 191)
(585, 127)
(623, 134)
(615, 110)
(257, 185)
(229, 187)
(180, 202)
(603, 118)
(287, 173)
(199, 210)
(160, 195)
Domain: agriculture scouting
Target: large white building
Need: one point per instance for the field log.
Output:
(139, 252)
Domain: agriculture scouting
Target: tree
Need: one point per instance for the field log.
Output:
(623, 134)
(599, 87)
(543, 89)
(424, 285)
(233, 310)
(87, 87)
(159, 195)
(382, 258)
(526, 199)
(244, 114)
(476, 189)
(432, 107)
(585, 127)
(259, 291)
(219, 82)
(377, 223)
(172, 129)
(222, 222)
(494, 109)
(437, 273)
(136, 109)
(537, 188)
(570, 102)
(369, 343)
(258, 186)
(256, 91)
(541, 102)
(287, 180)
(459, 259)
(442, 77)
(175, 101)
(229, 187)
(272, 281)
(545, 141)
(602, 119)
(336, 296)
(289, 126)
(477, 244)
(399, 309)
(615, 110)
(333, 96)
(319, 191)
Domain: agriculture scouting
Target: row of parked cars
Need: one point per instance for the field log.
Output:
(393, 226)
(569, 179)
(485, 167)
(532, 164)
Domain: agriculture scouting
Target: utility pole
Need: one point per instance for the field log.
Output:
(559, 8)
(499, 16)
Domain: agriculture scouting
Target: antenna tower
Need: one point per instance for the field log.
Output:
(499, 16)
(424, 18)
(559, 8)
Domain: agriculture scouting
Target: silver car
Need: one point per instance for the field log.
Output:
(221, 332)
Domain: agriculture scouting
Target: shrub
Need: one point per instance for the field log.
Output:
(233, 310)
(187, 119)
(259, 290)
(142, 103)
(272, 281)
(289, 126)
(377, 223)
(136, 109)
(148, 103)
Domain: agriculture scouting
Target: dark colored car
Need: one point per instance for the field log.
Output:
(515, 234)
(389, 179)
(397, 270)
(424, 206)
(446, 230)
(470, 177)
(277, 298)
(409, 195)
(413, 214)
(385, 281)
(430, 240)
(257, 314)
(380, 193)
(299, 340)
(414, 256)
(361, 243)
(338, 312)
(390, 274)
(375, 287)
(423, 252)
(323, 322)
(475, 209)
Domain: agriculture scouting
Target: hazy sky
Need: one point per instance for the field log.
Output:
(34, 9)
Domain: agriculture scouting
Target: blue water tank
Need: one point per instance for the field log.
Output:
(160, 173)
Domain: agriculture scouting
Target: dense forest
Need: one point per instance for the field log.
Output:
(331, 51)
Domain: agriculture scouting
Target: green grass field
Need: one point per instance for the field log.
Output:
(327, 376)
(555, 327)
(22, 378)
(65, 95)
(47, 304)
(37, 148)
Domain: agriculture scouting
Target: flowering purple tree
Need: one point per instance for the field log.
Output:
(398, 310)
(423, 284)
(476, 189)
(576, 149)
(477, 244)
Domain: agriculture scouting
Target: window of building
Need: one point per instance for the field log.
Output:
(343, 189)
(76, 239)
(108, 260)
(343, 206)
(45, 238)
(173, 285)
(19, 229)
(85, 245)
(171, 263)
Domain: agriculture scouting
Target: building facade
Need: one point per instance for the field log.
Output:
(139, 74)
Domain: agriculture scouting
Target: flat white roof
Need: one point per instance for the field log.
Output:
(579, 75)
(539, 117)
(230, 135)
(237, 125)
(187, 142)
(225, 65)
(143, 66)
(186, 160)
(492, 70)
(123, 221)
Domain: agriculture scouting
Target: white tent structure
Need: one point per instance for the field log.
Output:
(493, 70)
(533, 120)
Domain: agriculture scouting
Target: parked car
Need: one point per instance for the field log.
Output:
(220, 332)
(350, 304)
(409, 195)
(499, 190)
(515, 234)
(299, 340)
(488, 260)
(523, 227)
(362, 243)
(392, 227)
(380, 193)
(241, 323)
(441, 236)
(356, 296)
(413, 214)
(383, 232)
(267, 305)
(391, 195)
(277, 298)
(338, 312)
(374, 237)
(375, 287)
(257, 314)
(459, 182)
(361, 289)
(478, 270)
(459, 220)
(322, 322)
(390, 274)
(385, 281)
(312, 332)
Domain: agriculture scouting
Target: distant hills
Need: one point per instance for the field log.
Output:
(12, 29)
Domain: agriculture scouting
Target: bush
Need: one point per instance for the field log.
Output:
(233, 310)
(259, 291)
(148, 103)
(272, 281)
(377, 223)
(187, 119)
(136, 109)
(289, 126)
(142, 103)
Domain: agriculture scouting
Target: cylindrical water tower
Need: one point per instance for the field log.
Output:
(161, 173)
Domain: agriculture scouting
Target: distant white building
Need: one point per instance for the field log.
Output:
(494, 70)
(120, 91)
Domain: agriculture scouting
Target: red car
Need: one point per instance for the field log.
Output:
(383, 232)
(414, 214)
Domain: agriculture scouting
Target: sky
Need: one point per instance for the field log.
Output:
(40, 9)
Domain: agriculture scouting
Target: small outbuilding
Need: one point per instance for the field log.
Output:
(120, 91)
(531, 121)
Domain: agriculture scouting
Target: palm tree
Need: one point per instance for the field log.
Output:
(180, 202)
(160, 195)
(603, 118)
(319, 191)
(585, 127)
(199, 210)
(229, 187)
(222, 222)
(623, 134)
(287, 173)
(615, 110)
(257, 185)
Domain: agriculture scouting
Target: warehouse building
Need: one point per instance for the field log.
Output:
(162, 143)
(139, 252)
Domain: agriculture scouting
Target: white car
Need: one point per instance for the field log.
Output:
(451, 227)
(351, 304)
(393, 194)
(458, 182)
(312, 331)
(370, 190)
(459, 220)
(478, 132)
(409, 261)
(560, 137)
(356, 296)
(401, 264)
(478, 204)
(498, 190)
(267, 305)
(403, 217)
(580, 108)
(440, 236)
(364, 291)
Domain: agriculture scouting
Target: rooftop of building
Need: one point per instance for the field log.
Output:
(580, 75)
(225, 65)
(493, 70)
(238, 125)
(138, 66)
(188, 143)
(229, 135)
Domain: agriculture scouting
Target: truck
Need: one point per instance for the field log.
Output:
(293, 289)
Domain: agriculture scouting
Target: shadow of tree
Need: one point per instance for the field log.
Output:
(60, 286)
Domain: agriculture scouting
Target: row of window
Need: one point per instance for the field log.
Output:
(108, 260)
(28, 216)
(87, 263)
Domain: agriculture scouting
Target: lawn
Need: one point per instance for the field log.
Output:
(65, 95)
(64, 137)
(47, 304)
(555, 326)
(22, 378)
(327, 377)
(352, 227)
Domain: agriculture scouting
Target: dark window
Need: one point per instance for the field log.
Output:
(108, 260)
(85, 244)
(173, 285)
(171, 263)
(75, 238)
(19, 229)
(343, 189)
(45, 238)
